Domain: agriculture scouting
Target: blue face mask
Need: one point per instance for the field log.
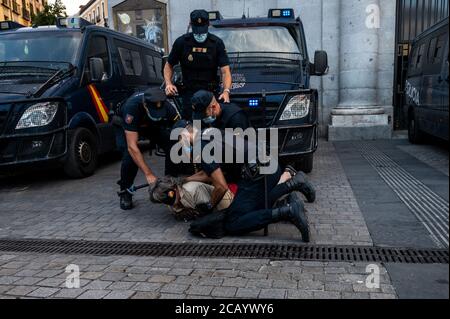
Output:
(209, 120)
(200, 38)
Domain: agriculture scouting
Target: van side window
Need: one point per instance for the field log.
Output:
(98, 48)
(151, 66)
(438, 50)
(131, 61)
(420, 56)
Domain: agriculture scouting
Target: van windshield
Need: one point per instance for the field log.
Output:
(40, 47)
(268, 39)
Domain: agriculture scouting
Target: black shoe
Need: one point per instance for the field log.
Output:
(301, 184)
(126, 201)
(298, 216)
(293, 212)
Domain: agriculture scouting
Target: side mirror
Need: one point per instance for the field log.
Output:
(97, 69)
(320, 66)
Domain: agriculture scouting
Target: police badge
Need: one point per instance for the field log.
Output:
(190, 58)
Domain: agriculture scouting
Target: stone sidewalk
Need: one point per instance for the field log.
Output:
(52, 207)
(43, 276)
(56, 208)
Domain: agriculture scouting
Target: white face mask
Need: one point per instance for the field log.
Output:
(200, 38)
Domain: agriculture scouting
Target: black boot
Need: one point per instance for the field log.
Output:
(301, 184)
(126, 201)
(294, 212)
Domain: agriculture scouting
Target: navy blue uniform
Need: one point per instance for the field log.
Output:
(232, 117)
(248, 213)
(199, 65)
(137, 118)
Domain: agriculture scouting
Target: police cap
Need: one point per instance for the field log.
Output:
(200, 102)
(200, 21)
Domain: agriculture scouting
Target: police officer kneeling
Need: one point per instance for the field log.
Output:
(145, 114)
(206, 108)
(247, 212)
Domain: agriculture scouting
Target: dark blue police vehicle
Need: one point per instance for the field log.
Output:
(426, 89)
(271, 78)
(58, 85)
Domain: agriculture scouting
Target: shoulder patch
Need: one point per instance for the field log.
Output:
(129, 119)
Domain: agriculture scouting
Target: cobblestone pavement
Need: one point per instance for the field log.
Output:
(88, 209)
(52, 207)
(44, 276)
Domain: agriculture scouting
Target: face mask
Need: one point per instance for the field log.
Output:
(200, 38)
(209, 120)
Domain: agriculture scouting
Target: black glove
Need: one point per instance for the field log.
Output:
(204, 209)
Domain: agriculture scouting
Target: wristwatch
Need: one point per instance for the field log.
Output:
(227, 90)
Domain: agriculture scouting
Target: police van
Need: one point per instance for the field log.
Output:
(58, 85)
(271, 79)
(426, 89)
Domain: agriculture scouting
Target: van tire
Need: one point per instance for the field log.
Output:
(415, 135)
(305, 164)
(82, 154)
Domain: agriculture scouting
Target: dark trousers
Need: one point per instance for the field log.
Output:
(247, 213)
(186, 101)
(129, 169)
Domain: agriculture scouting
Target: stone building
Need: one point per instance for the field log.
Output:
(366, 41)
(95, 11)
(20, 11)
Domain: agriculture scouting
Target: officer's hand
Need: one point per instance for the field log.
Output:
(225, 97)
(171, 90)
(151, 180)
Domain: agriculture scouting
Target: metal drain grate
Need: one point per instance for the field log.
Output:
(257, 251)
(429, 208)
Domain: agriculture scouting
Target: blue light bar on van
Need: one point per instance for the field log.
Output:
(10, 25)
(253, 103)
(281, 13)
(72, 23)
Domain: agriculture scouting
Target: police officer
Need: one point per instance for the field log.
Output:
(247, 213)
(146, 114)
(211, 112)
(200, 55)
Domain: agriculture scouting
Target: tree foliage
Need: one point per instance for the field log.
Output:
(50, 13)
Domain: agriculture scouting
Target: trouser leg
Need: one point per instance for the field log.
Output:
(129, 169)
(247, 213)
(186, 98)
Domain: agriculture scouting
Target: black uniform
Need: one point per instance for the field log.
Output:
(232, 117)
(248, 213)
(199, 65)
(141, 116)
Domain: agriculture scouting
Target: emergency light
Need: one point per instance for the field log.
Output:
(72, 23)
(281, 13)
(214, 16)
(10, 25)
(253, 103)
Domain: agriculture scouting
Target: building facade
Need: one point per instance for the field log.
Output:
(96, 12)
(357, 99)
(20, 11)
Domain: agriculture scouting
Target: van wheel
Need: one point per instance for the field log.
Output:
(82, 155)
(305, 164)
(415, 135)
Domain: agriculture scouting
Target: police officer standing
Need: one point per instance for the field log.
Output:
(200, 55)
(146, 114)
